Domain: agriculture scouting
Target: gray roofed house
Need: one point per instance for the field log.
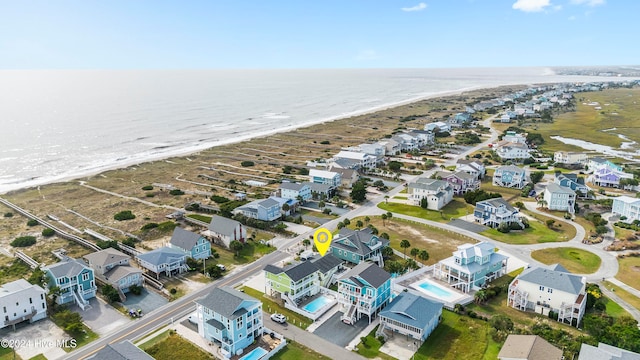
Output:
(196, 246)
(363, 290)
(227, 302)
(345, 163)
(320, 189)
(295, 272)
(224, 230)
(101, 260)
(75, 279)
(411, 315)
(356, 246)
(113, 267)
(165, 259)
(605, 352)
(369, 272)
(120, 351)
(326, 263)
(438, 193)
(347, 176)
(560, 280)
(528, 347)
(264, 209)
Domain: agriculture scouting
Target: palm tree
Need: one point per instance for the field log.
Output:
(424, 255)
(414, 252)
(384, 217)
(389, 215)
(306, 242)
(405, 244)
(374, 230)
(386, 199)
(480, 296)
(359, 224)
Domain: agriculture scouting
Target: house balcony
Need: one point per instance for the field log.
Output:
(20, 319)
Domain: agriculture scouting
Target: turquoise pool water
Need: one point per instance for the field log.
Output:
(255, 354)
(316, 304)
(434, 289)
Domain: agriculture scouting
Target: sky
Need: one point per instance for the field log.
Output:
(204, 34)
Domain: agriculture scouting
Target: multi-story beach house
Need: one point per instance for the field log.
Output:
(528, 347)
(424, 137)
(410, 315)
(223, 230)
(570, 158)
(460, 181)
(124, 350)
(264, 209)
(559, 198)
(542, 290)
(319, 191)
(512, 151)
(437, 193)
(510, 176)
(165, 259)
(473, 167)
(325, 177)
(514, 138)
(608, 177)
(596, 163)
(495, 212)
(348, 176)
(364, 161)
(356, 246)
(113, 267)
(230, 319)
(193, 245)
(21, 301)
(294, 191)
(628, 208)
(75, 280)
(407, 142)
(471, 266)
(391, 147)
(363, 290)
(438, 126)
(573, 182)
(459, 119)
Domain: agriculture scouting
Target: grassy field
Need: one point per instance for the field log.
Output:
(155, 340)
(459, 337)
(370, 347)
(173, 344)
(6, 353)
(295, 351)
(454, 209)
(587, 124)
(39, 357)
(624, 295)
(270, 306)
(536, 233)
(575, 260)
(629, 271)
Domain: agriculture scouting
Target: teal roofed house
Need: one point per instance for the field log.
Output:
(356, 246)
(194, 245)
(363, 290)
(410, 315)
(75, 280)
(230, 319)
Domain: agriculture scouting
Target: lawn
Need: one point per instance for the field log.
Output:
(370, 347)
(459, 337)
(573, 259)
(6, 353)
(175, 344)
(251, 251)
(454, 209)
(39, 357)
(295, 351)
(155, 340)
(270, 306)
(624, 295)
(536, 233)
(629, 271)
(317, 214)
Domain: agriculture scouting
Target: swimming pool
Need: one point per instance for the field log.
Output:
(317, 304)
(434, 289)
(442, 293)
(255, 354)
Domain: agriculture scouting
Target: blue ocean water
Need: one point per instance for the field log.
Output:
(61, 124)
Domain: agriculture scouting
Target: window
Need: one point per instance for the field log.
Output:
(85, 276)
(30, 301)
(549, 290)
(43, 306)
(5, 309)
(541, 288)
(197, 249)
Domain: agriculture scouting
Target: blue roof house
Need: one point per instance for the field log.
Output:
(229, 318)
(357, 246)
(171, 261)
(75, 280)
(265, 210)
(410, 315)
(190, 243)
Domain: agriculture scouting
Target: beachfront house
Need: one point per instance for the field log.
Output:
(510, 176)
(319, 191)
(608, 177)
(512, 151)
(410, 315)
(543, 290)
(436, 193)
(424, 137)
(21, 301)
(223, 230)
(460, 181)
(570, 158)
(528, 347)
(348, 176)
(407, 142)
(112, 266)
(472, 167)
(165, 259)
(628, 208)
(605, 352)
(559, 198)
(495, 212)
(437, 126)
(264, 209)
(356, 246)
(471, 266)
(75, 280)
(230, 319)
(294, 191)
(596, 163)
(363, 160)
(391, 147)
(573, 182)
(363, 290)
(194, 245)
(325, 177)
(124, 350)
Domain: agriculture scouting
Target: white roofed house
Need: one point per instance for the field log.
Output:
(424, 137)
(542, 290)
(363, 160)
(438, 193)
(391, 147)
(407, 142)
(472, 167)
(559, 198)
(510, 176)
(375, 149)
(628, 207)
(570, 158)
(441, 126)
(21, 301)
(224, 230)
(512, 151)
(330, 178)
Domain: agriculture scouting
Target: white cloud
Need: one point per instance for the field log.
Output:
(418, 7)
(588, 2)
(531, 5)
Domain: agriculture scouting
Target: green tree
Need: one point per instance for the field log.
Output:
(306, 242)
(124, 215)
(236, 246)
(32, 222)
(23, 241)
(38, 277)
(536, 176)
(346, 221)
(367, 220)
(359, 224)
(405, 244)
(424, 255)
(383, 217)
(54, 293)
(110, 293)
(48, 232)
(414, 252)
(387, 252)
(358, 192)
(384, 235)
(394, 166)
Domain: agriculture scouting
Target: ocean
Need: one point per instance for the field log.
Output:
(63, 124)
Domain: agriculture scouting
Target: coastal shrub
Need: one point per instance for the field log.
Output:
(536, 176)
(147, 187)
(110, 293)
(176, 192)
(102, 244)
(325, 142)
(247, 163)
(287, 169)
(135, 289)
(129, 242)
(124, 215)
(149, 226)
(23, 241)
(167, 226)
(472, 197)
(8, 214)
(303, 171)
(149, 195)
(48, 232)
(33, 222)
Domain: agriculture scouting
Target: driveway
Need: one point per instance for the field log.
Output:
(466, 225)
(339, 333)
(147, 301)
(36, 339)
(101, 318)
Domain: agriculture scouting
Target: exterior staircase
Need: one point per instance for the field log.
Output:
(82, 303)
(349, 317)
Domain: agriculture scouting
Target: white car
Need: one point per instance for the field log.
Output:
(193, 318)
(279, 318)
